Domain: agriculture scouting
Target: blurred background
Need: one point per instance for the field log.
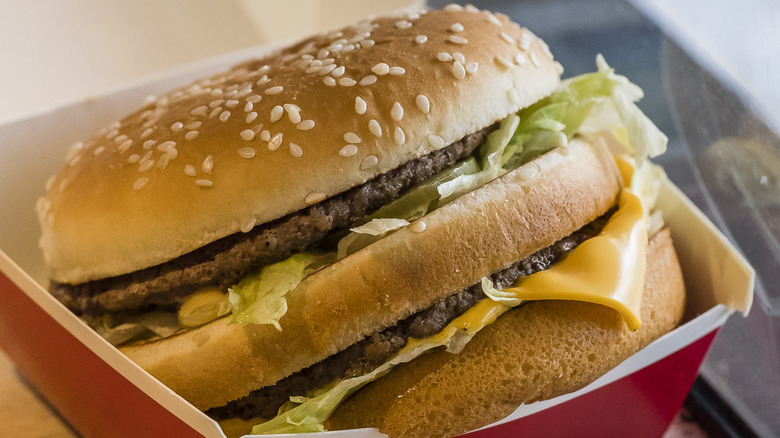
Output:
(709, 69)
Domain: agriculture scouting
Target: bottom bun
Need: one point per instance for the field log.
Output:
(536, 352)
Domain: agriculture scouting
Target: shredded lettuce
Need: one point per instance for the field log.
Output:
(310, 415)
(364, 235)
(500, 296)
(490, 162)
(126, 328)
(259, 298)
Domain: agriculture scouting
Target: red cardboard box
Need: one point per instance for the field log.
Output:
(102, 393)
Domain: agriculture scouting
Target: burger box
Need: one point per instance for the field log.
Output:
(102, 393)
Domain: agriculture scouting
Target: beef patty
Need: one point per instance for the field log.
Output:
(226, 260)
(362, 357)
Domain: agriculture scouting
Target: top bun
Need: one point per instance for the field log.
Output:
(273, 135)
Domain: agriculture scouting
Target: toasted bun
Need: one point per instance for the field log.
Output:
(477, 234)
(196, 164)
(535, 352)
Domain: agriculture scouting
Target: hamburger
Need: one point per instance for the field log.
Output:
(410, 223)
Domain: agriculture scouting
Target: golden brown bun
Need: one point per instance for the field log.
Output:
(477, 234)
(535, 352)
(120, 205)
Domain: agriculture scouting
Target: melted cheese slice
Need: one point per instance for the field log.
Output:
(616, 280)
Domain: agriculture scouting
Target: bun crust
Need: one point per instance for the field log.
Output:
(477, 234)
(535, 352)
(197, 164)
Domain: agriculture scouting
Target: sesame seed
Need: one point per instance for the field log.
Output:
(208, 164)
(423, 104)
(503, 62)
(305, 125)
(247, 227)
(368, 80)
(351, 137)
(162, 163)
(397, 71)
(459, 57)
(403, 24)
(558, 67)
(164, 146)
(293, 113)
(215, 112)
(231, 103)
(421, 39)
(493, 19)
(314, 198)
(369, 162)
(513, 95)
(381, 69)
(132, 159)
(329, 81)
(248, 107)
(147, 132)
(347, 82)
(360, 105)
(145, 165)
(506, 37)
(458, 70)
(125, 145)
(248, 134)
(247, 152)
(204, 183)
(140, 183)
(323, 54)
(457, 39)
(275, 142)
(471, 8)
(338, 71)
(265, 135)
(193, 125)
(251, 117)
(149, 143)
(348, 150)
(367, 43)
(417, 227)
(295, 150)
(520, 59)
(216, 103)
(224, 115)
(534, 59)
(327, 69)
(456, 27)
(452, 7)
(546, 50)
(199, 111)
(374, 128)
(274, 90)
(172, 153)
(120, 139)
(444, 57)
(471, 68)
(255, 98)
(191, 135)
(190, 170)
(436, 141)
(397, 112)
(399, 136)
(276, 113)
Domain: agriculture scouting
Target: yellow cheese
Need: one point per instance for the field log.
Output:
(608, 269)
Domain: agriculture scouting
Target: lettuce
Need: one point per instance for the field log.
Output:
(364, 235)
(259, 298)
(310, 415)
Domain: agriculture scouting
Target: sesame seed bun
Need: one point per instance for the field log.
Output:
(271, 136)
(479, 233)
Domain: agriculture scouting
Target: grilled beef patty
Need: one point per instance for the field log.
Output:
(362, 357)
(226, 260)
